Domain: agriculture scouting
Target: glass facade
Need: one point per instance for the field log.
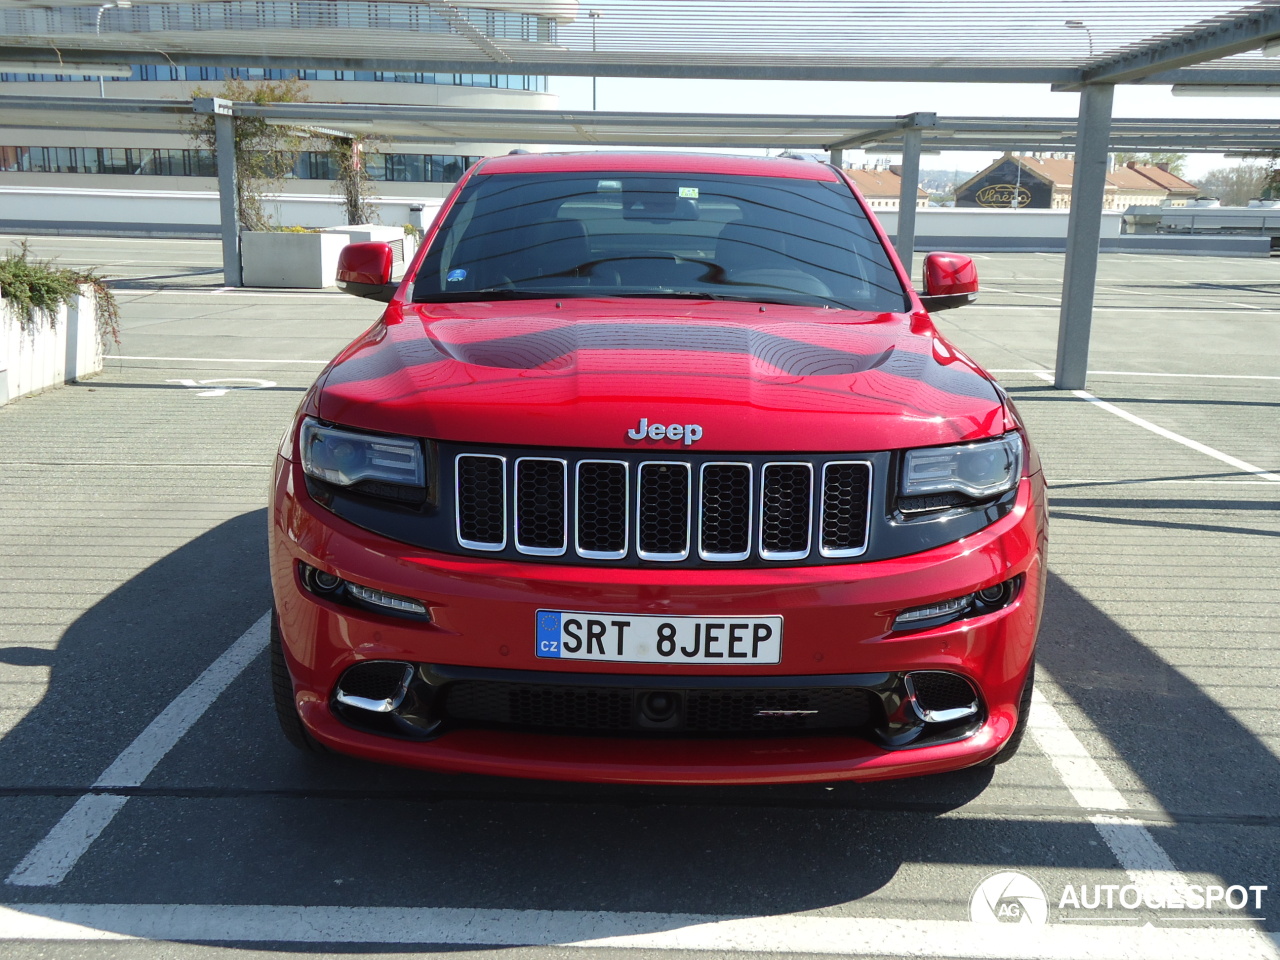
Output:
(311, 164)
(279, 15)
(338, 15)
(151, 71)
(117, 160)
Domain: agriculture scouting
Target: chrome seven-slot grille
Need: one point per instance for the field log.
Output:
(663, 510)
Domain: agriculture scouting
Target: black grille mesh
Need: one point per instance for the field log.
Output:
(664, 508)
(481, 491)
(936, 690)
(602, 507)
(540, 504)
(784, 524)
(844, 505)
(615, 710)
(726, 508)
(379, 680)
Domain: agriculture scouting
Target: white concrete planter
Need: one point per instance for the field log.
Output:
(62, 351)
(280, 259)
(275, 259)
(403, 245)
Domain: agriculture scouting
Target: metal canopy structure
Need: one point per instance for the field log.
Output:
(990, 41)
(445, 125)
(1078, 45)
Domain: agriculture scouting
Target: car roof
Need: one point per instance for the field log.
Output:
(604, 161)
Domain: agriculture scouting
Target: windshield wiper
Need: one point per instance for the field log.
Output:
(796, 300)
(499, 293)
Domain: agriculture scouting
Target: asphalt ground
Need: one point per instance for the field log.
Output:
(143, 821)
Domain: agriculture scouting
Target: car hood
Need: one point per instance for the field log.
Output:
(585, 373)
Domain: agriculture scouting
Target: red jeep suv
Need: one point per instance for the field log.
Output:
(655, 470)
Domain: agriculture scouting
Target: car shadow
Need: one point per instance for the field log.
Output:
(235, 816)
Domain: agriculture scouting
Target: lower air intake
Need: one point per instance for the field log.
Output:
(618, 711)
(375, 680)
(937, 691)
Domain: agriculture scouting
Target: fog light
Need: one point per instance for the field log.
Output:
(934, 611)
(388, 600)
(993, 595)
(325, 582)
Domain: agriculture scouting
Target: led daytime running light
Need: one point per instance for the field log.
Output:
(944, 608)
(388, 600)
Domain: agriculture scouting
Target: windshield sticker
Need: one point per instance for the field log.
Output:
(689, 192)
(453, 275)
(609, 186)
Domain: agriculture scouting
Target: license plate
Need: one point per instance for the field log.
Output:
(627, 638)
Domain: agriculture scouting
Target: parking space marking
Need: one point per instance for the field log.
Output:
(240, 360)
(785, 934)
(1169, 434)
(1084, 779)
(231, 291)
(1144, 310)
(1132, 844)
(216, 388)
(1044, 374)
(50, 860)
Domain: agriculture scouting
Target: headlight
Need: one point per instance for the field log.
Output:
(978, 470)
(346, 457)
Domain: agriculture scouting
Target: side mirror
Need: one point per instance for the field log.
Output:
(950, 280)
(364, 270)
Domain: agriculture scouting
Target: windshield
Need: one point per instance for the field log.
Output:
(705, 236)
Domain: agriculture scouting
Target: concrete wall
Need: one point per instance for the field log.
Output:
(57, 352)
(970, 223)
(85, 211)
(318, 91)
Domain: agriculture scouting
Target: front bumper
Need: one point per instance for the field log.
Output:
(838, 621)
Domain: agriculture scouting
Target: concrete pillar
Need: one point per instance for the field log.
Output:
(905, 241)
(836, 157)
(1084, 230)
(228, 206)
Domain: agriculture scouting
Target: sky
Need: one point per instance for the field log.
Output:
(893, 99)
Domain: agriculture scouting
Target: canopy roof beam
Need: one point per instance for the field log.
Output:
(1221, 37)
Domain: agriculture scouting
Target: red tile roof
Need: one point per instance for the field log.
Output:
(1163, 178)
(879, 183)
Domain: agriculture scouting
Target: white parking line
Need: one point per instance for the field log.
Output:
(130, 294)
(785, 934)
(1169, 434)
(1044, 374)
(1136, 850)
(220, 360)
(53, 858)
(1086, 781)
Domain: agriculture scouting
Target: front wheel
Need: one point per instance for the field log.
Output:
(1024, 712)
(282, 690)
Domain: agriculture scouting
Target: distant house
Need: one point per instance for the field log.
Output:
(883, 188)
(1178, 191)
(1044, 183)
(1132, 187)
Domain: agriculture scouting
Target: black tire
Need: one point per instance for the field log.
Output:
(286, 710)
(1024, 711)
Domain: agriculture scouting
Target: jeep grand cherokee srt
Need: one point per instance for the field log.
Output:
(655, 469)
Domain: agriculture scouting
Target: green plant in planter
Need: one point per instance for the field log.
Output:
(34, 289)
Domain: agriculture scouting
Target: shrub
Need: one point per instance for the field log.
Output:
(33, 288)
